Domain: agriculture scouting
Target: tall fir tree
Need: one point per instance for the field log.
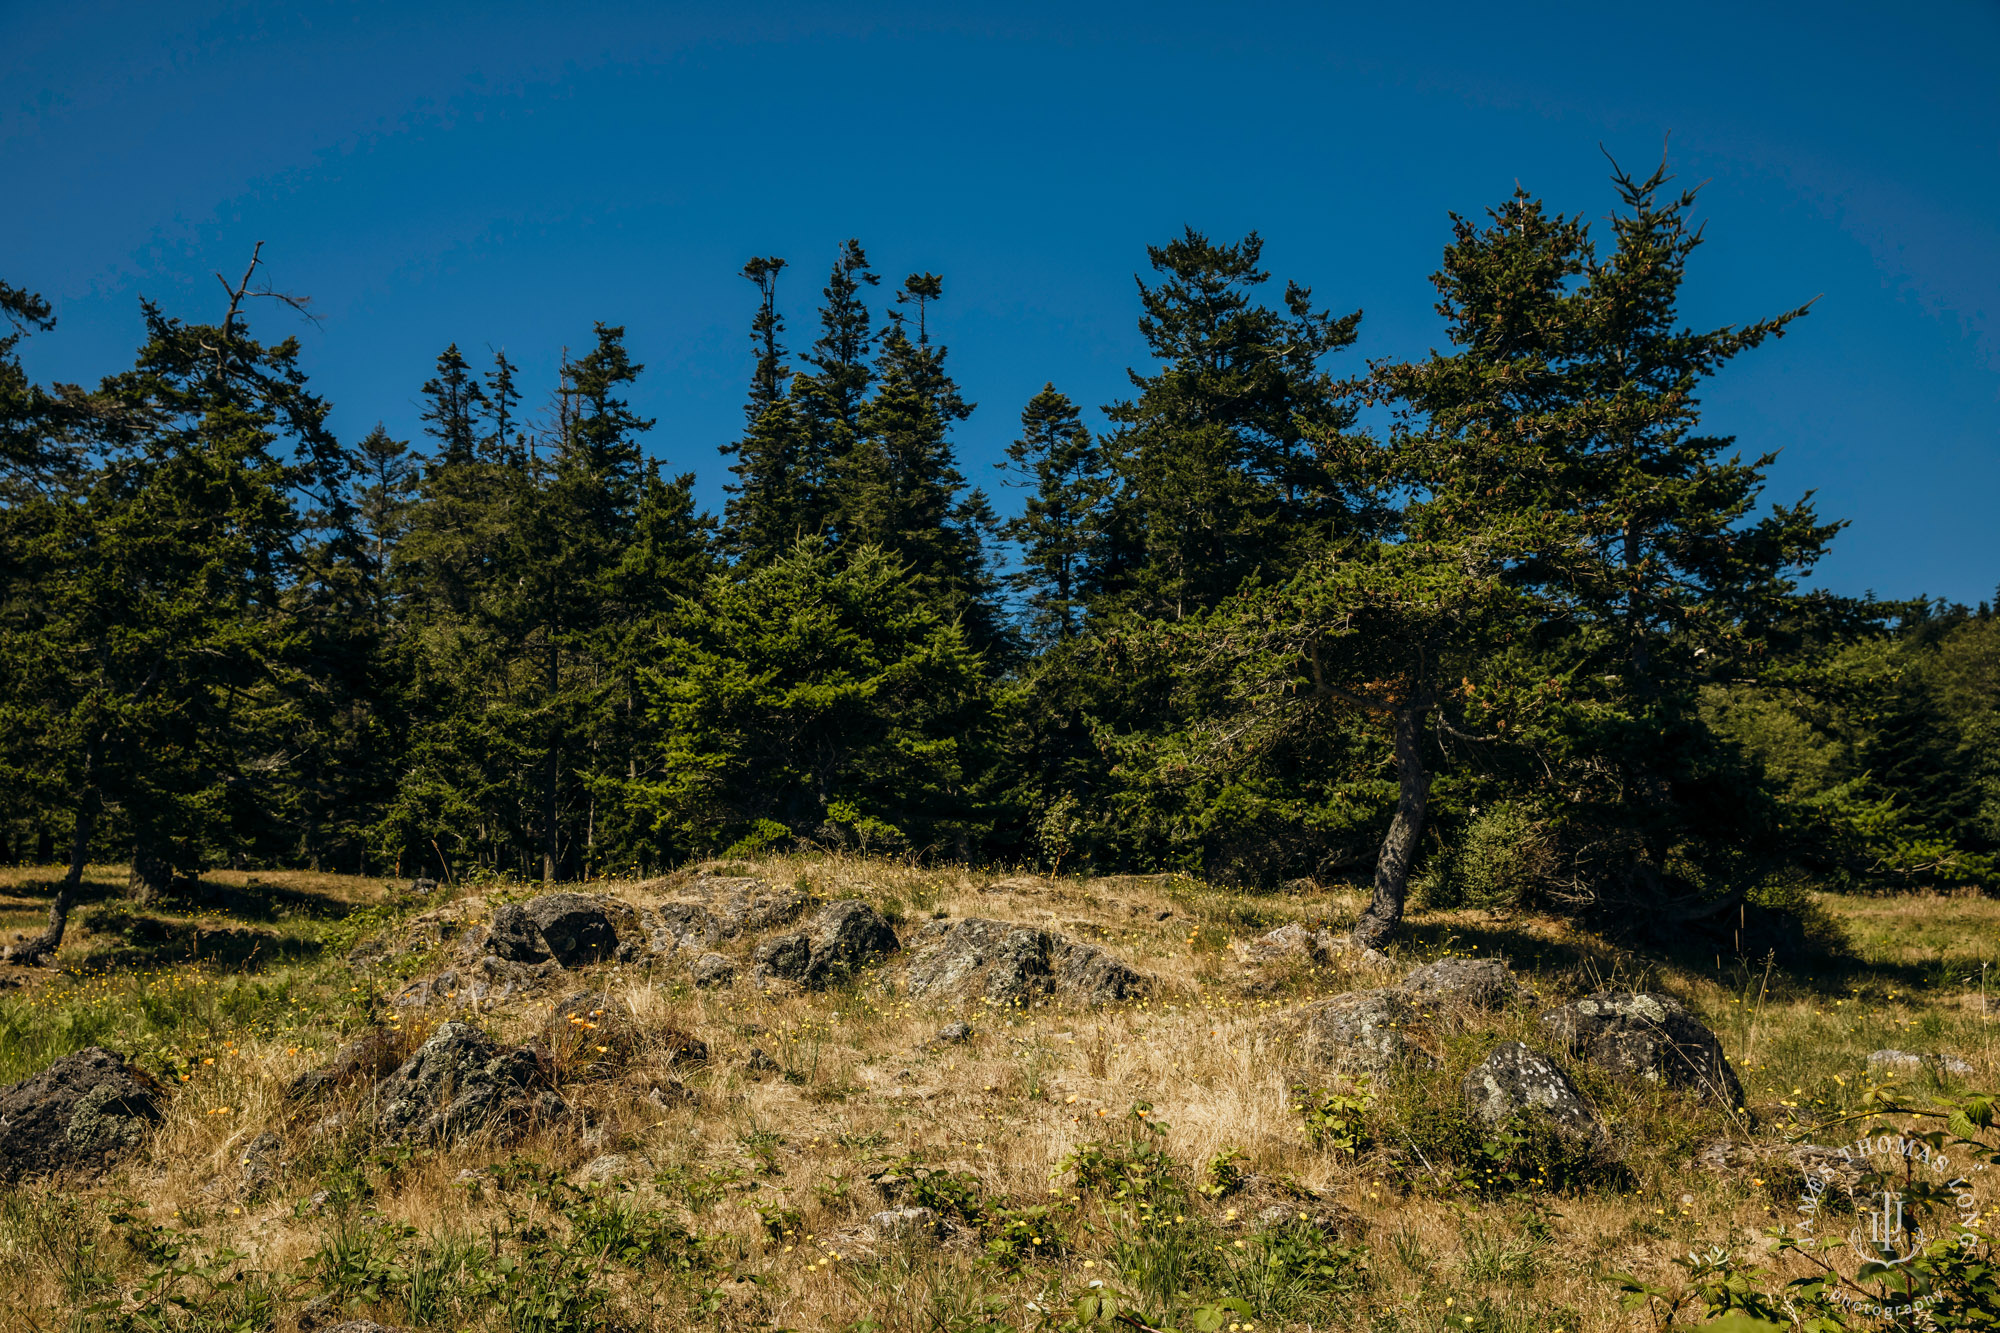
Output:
(1218, 480)
(832, 394)
(772, 500)
(1059, 529)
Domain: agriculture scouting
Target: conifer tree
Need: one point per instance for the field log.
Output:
(502, 442)
(452, 412)
(772, 500)
(1059, 528)
(1217, 479)
(900, 489)
(832, 394)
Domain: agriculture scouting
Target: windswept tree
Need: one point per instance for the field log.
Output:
(833, 393)
(163, 617)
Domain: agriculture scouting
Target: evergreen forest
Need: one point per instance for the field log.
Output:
(1503, 625)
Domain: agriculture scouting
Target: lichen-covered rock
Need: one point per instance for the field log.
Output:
(259, 1162)
(1909, 1064)
(461, 1082)
(839, 941)
(1471, 983)
(845, 937)
(513, 935)
(1288, 941)
(1516, 1081)
(710, 909)
(905, 1224)
(1361, 1032)
(782, 958)
(713, 970)
(1650, 1035)
(575, 928)
(1017, 965)
(83, 1112)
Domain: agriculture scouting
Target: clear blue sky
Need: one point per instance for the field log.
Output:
(502, 174)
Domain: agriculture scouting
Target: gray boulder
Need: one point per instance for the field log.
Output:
(1469, 983)
(1909, 1064)
(839, 941)
(710, 909)
(514, 936)
(1289, 941)
(1515, 1081)
(713, 970)
(1647, 1034)
(83, 1112)
(461, 1082)
(1016, 965)
(260, 1162)
(1361, 1032)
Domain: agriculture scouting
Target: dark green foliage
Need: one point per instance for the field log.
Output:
(1530, 638)
(820, 694)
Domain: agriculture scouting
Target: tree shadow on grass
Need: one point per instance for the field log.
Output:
(1797, 961)
(126, 938)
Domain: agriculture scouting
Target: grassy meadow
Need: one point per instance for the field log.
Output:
(1154, 1152)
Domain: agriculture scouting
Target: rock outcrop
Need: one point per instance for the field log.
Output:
(1361, 1032)
(1017, 965)
(461, 1082)
(838, 942)
(1648, 1035)
(82, 1113)
(1515, 1081)
(712, 909)
(571, 928)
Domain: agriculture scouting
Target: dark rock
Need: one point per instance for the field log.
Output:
(576, 930)
(952, 1034)
(760, 1062)
(1361, 1032)
(1016, 965)
(1650, 1035)
(782, 958)
(461, 1082)
(1471, 983)
(1515, 1081)
(423, 888)
(845, 937)
(514, 936)
(364, 1059)
(83, 1112)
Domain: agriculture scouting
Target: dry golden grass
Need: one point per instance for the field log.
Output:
(859, 1086)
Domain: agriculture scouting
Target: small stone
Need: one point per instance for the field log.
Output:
(952, 1034)
(900, 1224)
(259, 1162)
(760, 1062)
(1909, 1064)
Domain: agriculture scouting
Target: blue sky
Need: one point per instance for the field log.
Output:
(501, 175)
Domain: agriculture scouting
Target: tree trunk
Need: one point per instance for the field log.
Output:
(1384, 917)
(152, 875)
(43, 947)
